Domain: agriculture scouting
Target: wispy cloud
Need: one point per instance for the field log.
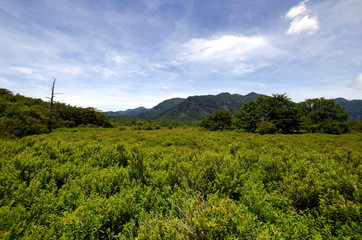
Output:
(297, 10)
(230, 54)
(301, 20)
(305, 24)
(132, 53)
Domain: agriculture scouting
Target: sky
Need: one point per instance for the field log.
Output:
(120, 54)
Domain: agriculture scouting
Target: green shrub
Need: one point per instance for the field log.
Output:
(265, 127)
(218, 120)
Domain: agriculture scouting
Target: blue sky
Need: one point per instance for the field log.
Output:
(120, 54)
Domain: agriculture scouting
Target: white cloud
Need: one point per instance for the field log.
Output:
(295, 11)
(358, 82)
(226, 55)
(227, 48)
(166, 88)
(305, 24)
(301, 20)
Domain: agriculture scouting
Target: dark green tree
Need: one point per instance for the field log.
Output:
(323, 115)
(218, 120)
(277, 109)
(21, 116)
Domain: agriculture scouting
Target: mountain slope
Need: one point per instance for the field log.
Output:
(197, 107)
(144, 113)
(126, 114)
(160, 108)
(353, 107)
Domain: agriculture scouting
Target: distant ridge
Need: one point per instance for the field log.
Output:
(193, 108)
(160, 108)
(197, 107)
(128, 113)
(353, 107)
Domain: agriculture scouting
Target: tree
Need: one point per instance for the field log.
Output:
(218, 120)
(21, 116)
(323, 115)
(51, 105)
(278, 110)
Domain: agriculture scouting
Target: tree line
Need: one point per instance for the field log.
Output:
(278, 113)
(21, 116)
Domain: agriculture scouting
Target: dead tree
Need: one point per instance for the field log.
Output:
(51, 104)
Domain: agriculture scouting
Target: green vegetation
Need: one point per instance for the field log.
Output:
(268, 115)
(179, 181)
(22, 116)
(183, 183)
(218, 120)
(324, 115)
(278, 110)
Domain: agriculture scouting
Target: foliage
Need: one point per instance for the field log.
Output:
(21, 116)
(324, 115)
(278, 110)
(265, 127)
(218, 120)
(183, 183)
(356, 125)
(151, 124)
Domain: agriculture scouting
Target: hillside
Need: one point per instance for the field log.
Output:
(197, 107)
(353, 107)
(193, 108)
(22, 116)
(126, 114)
(160, 108)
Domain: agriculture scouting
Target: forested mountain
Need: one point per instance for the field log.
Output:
(353, 107)
(197, 107)
(160, 108)
(193, 108)
(144, 113)
(126, 114)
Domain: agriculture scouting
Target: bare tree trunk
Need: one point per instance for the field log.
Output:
(51, 104)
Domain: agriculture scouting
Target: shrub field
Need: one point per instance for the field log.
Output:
(182, 183)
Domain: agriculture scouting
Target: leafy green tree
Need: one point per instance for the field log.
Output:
(218, 120)
(278, 110)
(323, 115)
(21, 116)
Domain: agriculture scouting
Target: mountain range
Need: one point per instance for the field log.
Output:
(195, 108)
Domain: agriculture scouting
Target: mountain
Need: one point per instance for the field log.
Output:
(353, 107)
(160, 108)
(144, 113)
(126, 114)
(197, 107)
(193, 108)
